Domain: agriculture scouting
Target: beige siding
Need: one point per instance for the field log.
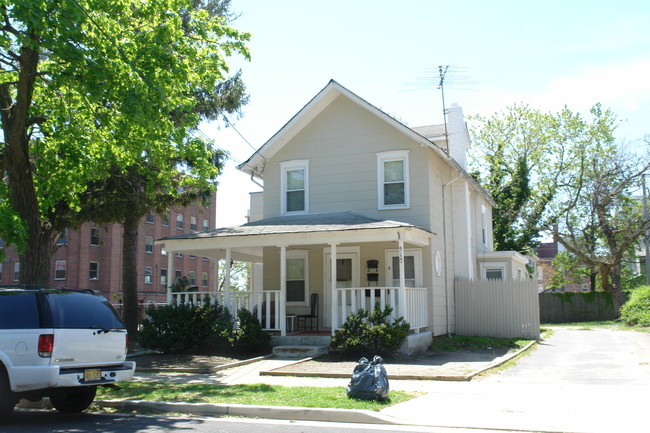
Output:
(341, 145)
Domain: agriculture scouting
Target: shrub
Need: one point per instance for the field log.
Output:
(373, 332)
(179, 328)
(250, 338)
(636, 311)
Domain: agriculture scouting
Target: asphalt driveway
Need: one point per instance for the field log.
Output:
(576, 381)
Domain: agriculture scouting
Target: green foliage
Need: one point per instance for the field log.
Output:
(636, 311)
(568, 269)
(371, 332)
(183, 327)
(456, 342)
(249, 338)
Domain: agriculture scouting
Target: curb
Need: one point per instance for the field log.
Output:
(202, 370)
(252, 411)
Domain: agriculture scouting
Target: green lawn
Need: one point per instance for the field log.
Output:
(603, 324)
(258, 394)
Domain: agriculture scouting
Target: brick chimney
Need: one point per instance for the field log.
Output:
(458, 137)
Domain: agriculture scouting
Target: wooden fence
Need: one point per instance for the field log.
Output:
(497, 308)
(576, 307)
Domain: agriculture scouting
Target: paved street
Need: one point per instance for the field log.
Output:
(576, 381)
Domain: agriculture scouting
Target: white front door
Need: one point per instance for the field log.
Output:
(347, 276)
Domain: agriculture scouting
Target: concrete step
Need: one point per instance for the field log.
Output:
(299, 352)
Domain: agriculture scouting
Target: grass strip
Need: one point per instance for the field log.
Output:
(255, 394)
(454, 343)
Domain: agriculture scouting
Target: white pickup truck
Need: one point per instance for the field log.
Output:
(60, 344)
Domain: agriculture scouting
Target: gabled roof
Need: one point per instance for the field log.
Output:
(254, 165)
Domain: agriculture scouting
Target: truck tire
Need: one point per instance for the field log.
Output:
(7, 397)
(73, 401)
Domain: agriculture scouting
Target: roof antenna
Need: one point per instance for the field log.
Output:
(441, 86)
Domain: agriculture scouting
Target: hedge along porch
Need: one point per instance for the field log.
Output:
(344, 243)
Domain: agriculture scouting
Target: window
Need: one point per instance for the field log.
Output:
(204, 279)
(163, 252)
(192, 257)
(59, 269)
(494, 273)
(148, 244)
(191, 276)
(163, 277)
(177, 276)
(16, 271)
(165, 219)
(393, 175)
(93, 271)
(412, 268)
(63, 237)
(484, 225)
(206, 225)
(94, 236)
(179, 221)
(295, 186)
(297, 277)
(0, 270)
(193, 223)
(149, 218)
(147, 274)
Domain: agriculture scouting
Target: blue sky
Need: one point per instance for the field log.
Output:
(544, 53)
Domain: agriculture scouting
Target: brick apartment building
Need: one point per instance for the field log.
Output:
(91, 257)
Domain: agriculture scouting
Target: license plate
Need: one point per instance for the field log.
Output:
(92, 375)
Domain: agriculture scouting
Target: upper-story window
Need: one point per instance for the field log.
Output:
(94, 236)
(193, 223)
(179, 221)
(393, 179)
(149, 218)
(295, 186)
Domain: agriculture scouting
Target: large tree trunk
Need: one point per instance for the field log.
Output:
(130, 308)
(613, 287)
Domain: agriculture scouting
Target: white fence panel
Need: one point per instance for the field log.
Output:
(497, 308)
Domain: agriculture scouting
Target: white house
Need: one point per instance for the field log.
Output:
(359, 209)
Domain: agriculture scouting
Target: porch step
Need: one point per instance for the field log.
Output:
(299, 352)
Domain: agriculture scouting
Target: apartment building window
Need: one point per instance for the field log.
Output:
(147, 274)
(163, 251)
(393, 176)
(193, 223)
(179, 221)
(206, 224)
(163, 277)
(63, 237)
(149, 218)
(16, 271)
(94, 236)
(93, 271)
(60, 269)
(191, 276)
(177, 276)
(165, 219)
(192, 257)
(204, 279)
(295, 186)
(148, 245)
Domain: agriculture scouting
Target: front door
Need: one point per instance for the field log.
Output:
(347, 276)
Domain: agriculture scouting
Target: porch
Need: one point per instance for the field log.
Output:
(315, 259)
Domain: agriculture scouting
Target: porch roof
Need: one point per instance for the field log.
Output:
(289, 230)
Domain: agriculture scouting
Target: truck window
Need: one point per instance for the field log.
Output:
(18, 310)
(82, 310)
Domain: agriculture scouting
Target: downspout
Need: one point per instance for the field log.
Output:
(254, 181)
(444, 240)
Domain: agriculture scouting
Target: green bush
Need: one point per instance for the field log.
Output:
(250, 338)
(179, 328)
(636, 311)
(371, 333)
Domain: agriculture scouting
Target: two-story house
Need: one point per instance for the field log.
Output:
(357, 210)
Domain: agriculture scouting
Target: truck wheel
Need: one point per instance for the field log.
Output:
(73, 401)
(7, 397)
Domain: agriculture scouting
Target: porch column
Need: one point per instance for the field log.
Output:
(283, 291)
(402, 280)
(334, 294)
(170, 275)
(226, 300)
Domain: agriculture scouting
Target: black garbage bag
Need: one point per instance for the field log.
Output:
(369, 380)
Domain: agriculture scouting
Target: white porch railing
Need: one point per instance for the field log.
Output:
(262, 303)
(350, 300)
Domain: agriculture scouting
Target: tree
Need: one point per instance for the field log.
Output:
(239, 275)
(90, 87)
(598, 217)
(517, 156)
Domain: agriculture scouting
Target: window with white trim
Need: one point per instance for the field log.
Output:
(295, 186)
(412, 268)
(16, 271)
(179, 221)
(493, 273)
(163, 277)
(204, 279)
(193, 223)
(93, 271)
(206, 225)
(60, 267)
(94, 236)
(297, 277)
(148, 272)
(148, 244)
(393, 179)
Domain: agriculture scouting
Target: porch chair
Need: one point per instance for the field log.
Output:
(313, 315)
